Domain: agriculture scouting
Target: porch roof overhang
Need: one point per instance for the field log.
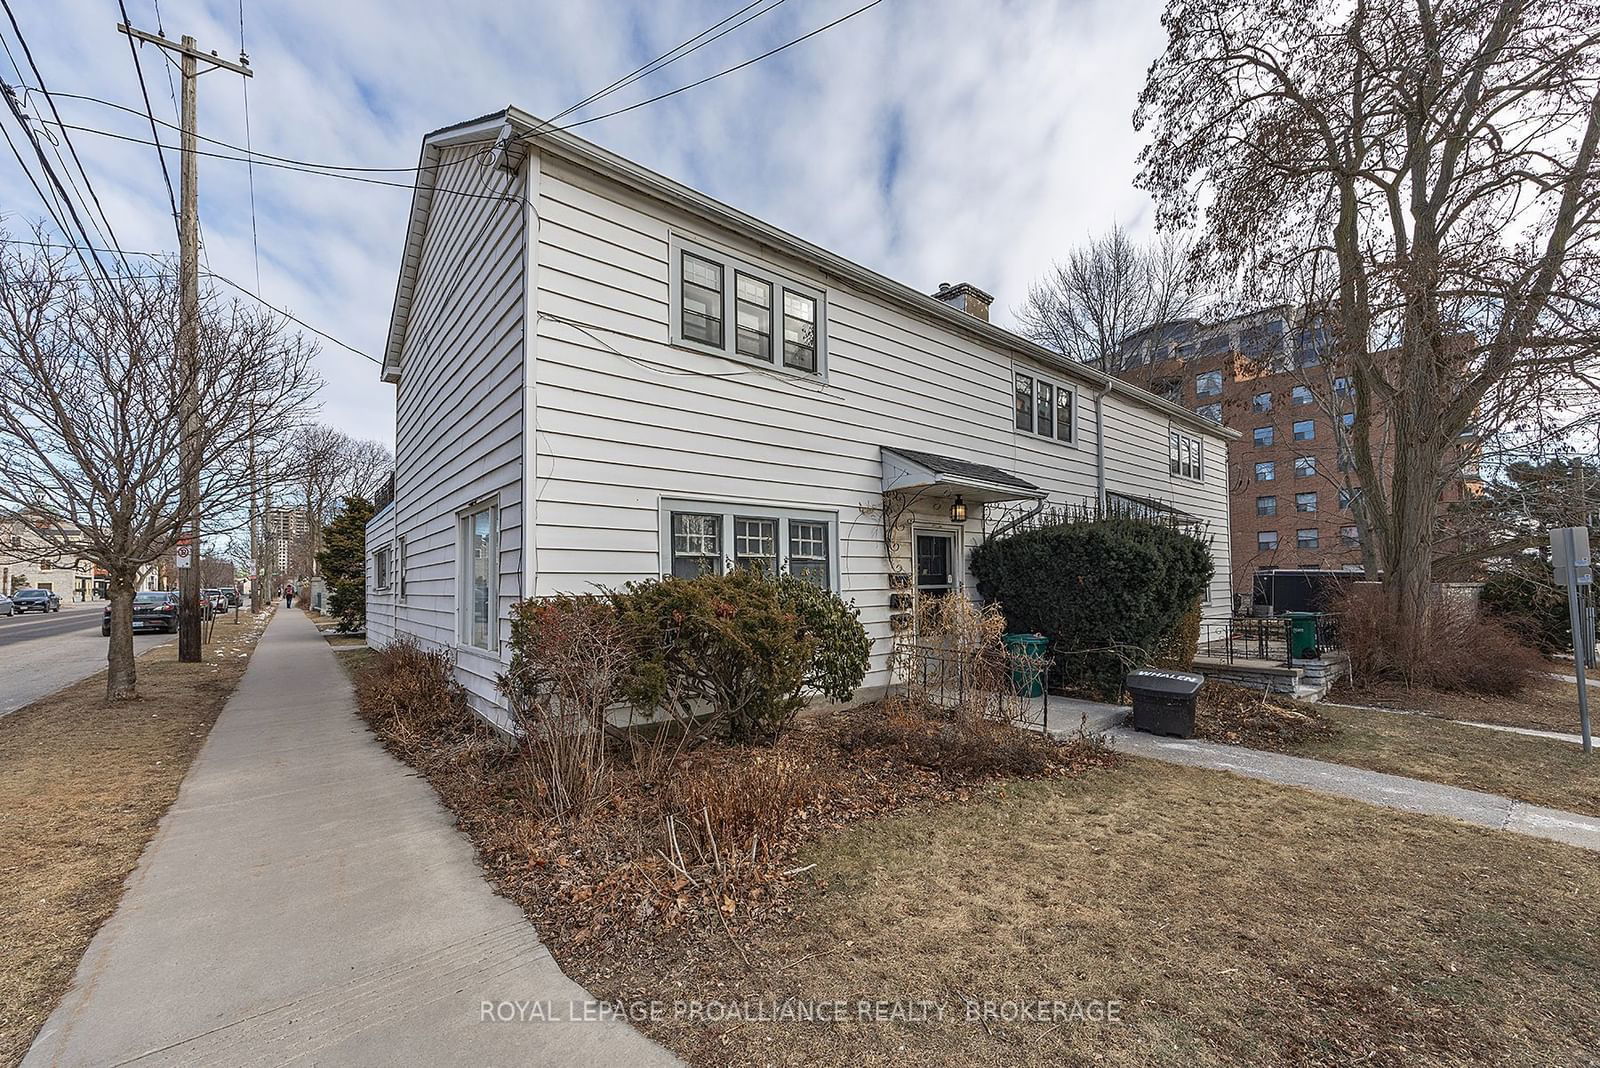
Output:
(909, 469)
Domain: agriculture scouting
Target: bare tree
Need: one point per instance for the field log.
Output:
(328, 465)
(89, 427)
(1428, 171)
(1107, 291)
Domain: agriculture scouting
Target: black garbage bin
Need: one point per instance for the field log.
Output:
(1163, 701)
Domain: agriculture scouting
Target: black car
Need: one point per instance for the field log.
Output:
(33, 600)
(152, 610)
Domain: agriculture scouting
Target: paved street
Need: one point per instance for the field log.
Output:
(39, 654)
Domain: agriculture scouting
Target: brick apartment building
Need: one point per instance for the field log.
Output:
(1292, 486)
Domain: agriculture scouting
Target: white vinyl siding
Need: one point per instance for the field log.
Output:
(778, 321)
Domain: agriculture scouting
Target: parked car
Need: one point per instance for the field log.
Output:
(217, 599)
(232, 594)
(152, 610)
(35, 600)
(6, 607)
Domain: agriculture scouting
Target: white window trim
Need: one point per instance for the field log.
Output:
(728, 510)
(733, 265)
(1059, 387)
(463, 579)
(1199, 456)
(383, 577)
(958, 551)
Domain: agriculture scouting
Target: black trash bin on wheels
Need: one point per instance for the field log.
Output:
(1164, 701)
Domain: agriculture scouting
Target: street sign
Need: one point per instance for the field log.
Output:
(1569, 552)
(185, 555)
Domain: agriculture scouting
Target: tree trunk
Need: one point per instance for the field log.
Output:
(1413, 521)
(120, 671)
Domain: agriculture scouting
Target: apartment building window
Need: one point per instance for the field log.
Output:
(1342, 387)
(710, 288)
(1267, 540)
(1261, 402)
(1266, 506)
(1350, 537)
(1168, 389)
(1208, 384)
(1305, 430)
(1305, 466)
(1305, 502)
(1306, 538)
(702, 538)
(1266, 471)
(1044, 408)
(1184, 456)
(1262, 436)
(478, 543)
(1347, 497)
(1211, 411)
(1348, 419)
(1300, 395)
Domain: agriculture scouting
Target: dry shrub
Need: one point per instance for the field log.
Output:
(412, 693)
(957, 746)
(570, 658)
(744, 809)
(1451, 648)
(953, 657)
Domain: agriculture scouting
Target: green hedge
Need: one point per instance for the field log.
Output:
(1108, 593)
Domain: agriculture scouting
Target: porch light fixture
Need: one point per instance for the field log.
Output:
(958, 511)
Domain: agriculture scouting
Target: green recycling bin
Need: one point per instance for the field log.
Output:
(1027, 677)
(1302, 634)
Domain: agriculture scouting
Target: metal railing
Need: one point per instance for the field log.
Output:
(383, 496)
(996, 684)
(1269, 639)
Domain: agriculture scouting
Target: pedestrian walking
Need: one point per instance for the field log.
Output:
(288, 595)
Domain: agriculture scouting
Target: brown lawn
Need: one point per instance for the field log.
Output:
(1547, 705)
(1234, 922)
(82, 788)
(1540, 771)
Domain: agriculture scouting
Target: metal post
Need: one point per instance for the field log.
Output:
(1569, 552)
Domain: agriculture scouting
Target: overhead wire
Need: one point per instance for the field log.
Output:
(133, 50)
(244, 83)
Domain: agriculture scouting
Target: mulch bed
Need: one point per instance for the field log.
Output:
(627, 883)
(1257, 719)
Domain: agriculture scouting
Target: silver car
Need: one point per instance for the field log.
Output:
(6, 607)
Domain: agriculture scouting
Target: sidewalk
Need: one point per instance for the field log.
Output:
(308, 900)
(1340, 780)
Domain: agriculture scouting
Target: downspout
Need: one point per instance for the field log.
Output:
(1100, 447)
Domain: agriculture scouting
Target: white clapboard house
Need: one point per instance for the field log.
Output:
(603, 375)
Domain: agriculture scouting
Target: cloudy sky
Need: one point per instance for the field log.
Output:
(931, 140)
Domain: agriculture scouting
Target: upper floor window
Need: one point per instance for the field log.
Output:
(1348, 419)
(1212, 411)
(1305, 430)
(775, 320)
(1300, 395)
(1266, 540)
(1342, 387)
(1208, 384)
(1184, 456)
(1266, 506)
(1350, 537)
(1044, 408)
(1262, 435)
(1266, 471)
(1262, 402)
(1305, 502)
(1307, 538)
(1305, 466)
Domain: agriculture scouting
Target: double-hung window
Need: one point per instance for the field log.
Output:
(1184, 456)
(380, 567)
(1208, 384)
(1261, 435)
(775, 321)
(1266, 506)
(479, 538)
(1305, 430)
(1044, 408)
(705, 538)
(1266, 540)
(1306, 538)
(1266, 471)
(1305, 502)
(1305, 466)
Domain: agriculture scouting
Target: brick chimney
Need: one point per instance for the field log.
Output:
(964, 296)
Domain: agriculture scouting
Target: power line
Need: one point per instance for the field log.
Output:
(109, 233)
(721, 73)
(55, 180)
(244, 84)
(133, 50)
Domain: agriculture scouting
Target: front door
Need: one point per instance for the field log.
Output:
(936, 562)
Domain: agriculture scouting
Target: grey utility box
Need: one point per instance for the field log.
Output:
(1164, 701)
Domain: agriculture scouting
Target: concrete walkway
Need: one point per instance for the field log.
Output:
(307, 900)
(1340, 780)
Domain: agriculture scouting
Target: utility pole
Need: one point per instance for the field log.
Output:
(189, 443)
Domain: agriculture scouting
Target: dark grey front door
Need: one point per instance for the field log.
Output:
(936, 563)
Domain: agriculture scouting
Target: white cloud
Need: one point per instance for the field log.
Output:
(933, 141)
